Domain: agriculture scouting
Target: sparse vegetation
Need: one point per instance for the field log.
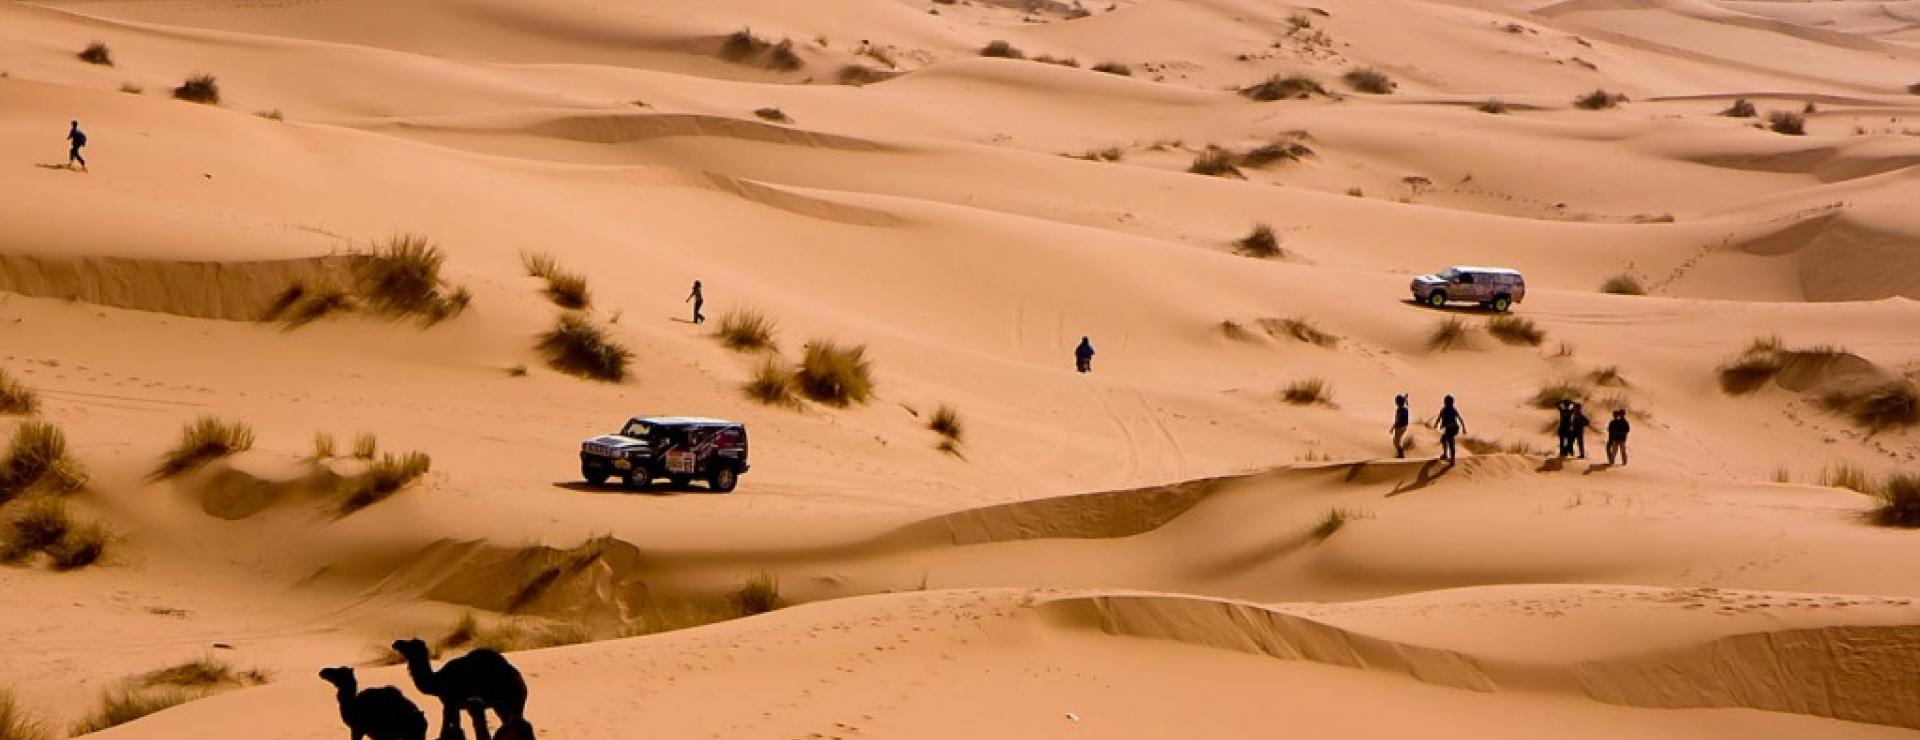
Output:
(97, 53)
(36, 526)
(1114, 68)
(1308, 391)
(1334, 520)
(1261, 243)
(835, 375)
(132, 88)
(1899, 501)
(771, 384)
(1516, 330)
(1369, 80)
(1889, 405)
(200, 88)
(1001, 50)
(1599, 99)
(578, 347)
(37, 456)
(82, 546)
(1216, 162)
(15, 724)
(1109, 154)
(364, 446)
(1550, 395)
(1284, 87)
(1233, 330)
(1786, 122)
(1846, 475)
(742, 47)
(122, 705)
(566, 289)
(946, 423)
(402, 277)
(772, 114)
(857, 74)
(1057, 61)
(16, 398)
(1450, 333)
(1607, 376)
(1478, 446)
(202, 441)
(1266, 154)
(758, 595)
(1623, 284)
(1493, 106)
(746, 330)
(1753, 368)
(509, 635)
(1741, 108)
(202, 673)
(1301, 330)
(384, 478)
(272, 115)
(322, 446)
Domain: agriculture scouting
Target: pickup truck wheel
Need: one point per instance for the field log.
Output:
(723, 480)
(1437, 298)
(1502, 302)
(594, 476)
(638, 480)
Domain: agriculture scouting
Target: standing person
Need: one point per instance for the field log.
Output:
(1580, 426)
(1565, 428)
(1451, 425)
(77, 139)
(1617, 436)
(699, 299)
(1083, 355)
(1399, 427)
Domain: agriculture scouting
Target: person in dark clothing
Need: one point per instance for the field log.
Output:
(1579, 431)
(699, 299)
(1617, 436)
(1399, 427)
(76, 139)
(1083, 355)
(1565, 428)
(1451, 425)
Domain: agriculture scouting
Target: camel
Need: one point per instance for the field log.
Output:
(476, 681)
(381, 713)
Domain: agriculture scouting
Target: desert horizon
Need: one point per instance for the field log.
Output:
(959, 368)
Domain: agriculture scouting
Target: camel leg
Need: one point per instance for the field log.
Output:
(450, 722)
(478, 712)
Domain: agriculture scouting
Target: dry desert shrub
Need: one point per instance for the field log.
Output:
(1516, 330)
(856, 74)
(202, 673)
(742, 47)
(772, 114)
(1058, 61)
(202, 441)
(16, 398)
(365, 445)
(1261, 243)
(323, 448)
(1334, 520)
(1607, 376)
(576, 346)
(200, 88)
(1623, 284)
(97, 53)
(1885, 406)
(384, 478)
(1369, 80)
(1449, 334)
(1493, 106)
(1308, 391)
(402, 277)
(81, 546)
(1114, 68)
(1279, 151)
(746, 330)
(36, 526)
(132, 88)
(16, 724)
(1234, 331)
(272, 115)
(1301, 330)
(1284, 87)
(36, 456)
(1599, 99)
(758, 595)
(566, 289)
(122, 705)
(1001, 50)
(509, 635)
(1550, 395)
(1216, 162)
(1899, 501)
(1109, 154)
(1480, 446)
(1753, 368)
(1741, 108)
(1785, 122)
(946, 423)
(835, 375)
(771, 384)
(1846, 475)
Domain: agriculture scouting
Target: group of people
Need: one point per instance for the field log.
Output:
(1572, 430)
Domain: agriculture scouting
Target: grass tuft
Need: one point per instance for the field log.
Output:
(1846, 475)
(746, 330)
(1608, 376)
(758, 595)
(132, 88)
(384, 478)
(1216, 162)
(37, 526)
(742, 47)
(1599, 99)
(1516, 330)
(1261, 243)
(97, 53)
(1279, 151)
(202, 441)
(1449, 334)
(1283, 87)
(1550, 395)
(1787, 122)
(566, 289)
(83, 545)
(1301, 330)
(200, 88)
(772, 384)
(1740, 109)
(1753, 368)
(946, 422)
(403, 277)
(1334, 520)
(1308, 391)
(578, 347)
(15, 398)
(1369, 80)
(1493, 106)
(1623, 284)
(1886, 406)
(37, 456)
(835, 375)
(1001, 50)
(1899, 501)
(1114, 68)
(772, 114)
(15, 724)
(323, 448)
(364, 446)
(122, 705)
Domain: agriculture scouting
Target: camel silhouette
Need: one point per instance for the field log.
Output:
(479, 680)
(381, 713)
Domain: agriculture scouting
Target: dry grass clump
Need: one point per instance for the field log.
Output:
(1493, 106)
(1478, 446)
(300, 304)
(200, 88)
(772, 114)
(1261, 243)
(1740, 109)
(1846, 475)
(364, 446)
(576, 346)
(1333, 522)
(46, 525)
(402, 277)
(202, 673)
(509, 635)
(1516, 330)
(1607, 376)
(1216, 162)
(566, 289)
(1787, 122)
(1001, 50)
(1109, 154)
(132, 88)
(384, 478)
(83, 545)
(1623, 284)
(1114, 68)
(1369, 80)
(1550, 395)
(1308, 391)
(122, 705)
(758, 595)
(1301, 330)
(36, 456)
(97, 53)
(1058, 61)
(1284, 87)
(835, 375)
(1899, 501)
(1885, 406)
(859, 74)
(202, 441)
(15, 398)
(772, 384)
(1753, 368)
(946, 423)
(742, 47)
(1234, 331)
(1599, 99)
(746, 330)
(15, 724)
(1449, 334)
(323, 448)
(1279, 151)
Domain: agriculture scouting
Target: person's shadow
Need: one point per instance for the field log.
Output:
(1597, 467)
(1428, 474)
(51, 166)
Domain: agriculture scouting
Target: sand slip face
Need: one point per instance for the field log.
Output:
(1205, 533)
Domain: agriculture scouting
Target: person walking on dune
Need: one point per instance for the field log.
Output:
(699, 299)
(76, 140)
(1399, 427)
(1083, 355)
(1580, 426)
(1451, 425)
(1617, 436)
(1564, 429)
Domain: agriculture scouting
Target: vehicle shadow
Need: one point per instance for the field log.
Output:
(659, 488)
(1466, 308)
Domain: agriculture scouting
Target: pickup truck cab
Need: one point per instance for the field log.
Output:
(680, 449)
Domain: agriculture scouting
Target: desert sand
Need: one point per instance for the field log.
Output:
(1162, 548)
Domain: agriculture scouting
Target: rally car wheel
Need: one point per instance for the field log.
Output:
(723, 480)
